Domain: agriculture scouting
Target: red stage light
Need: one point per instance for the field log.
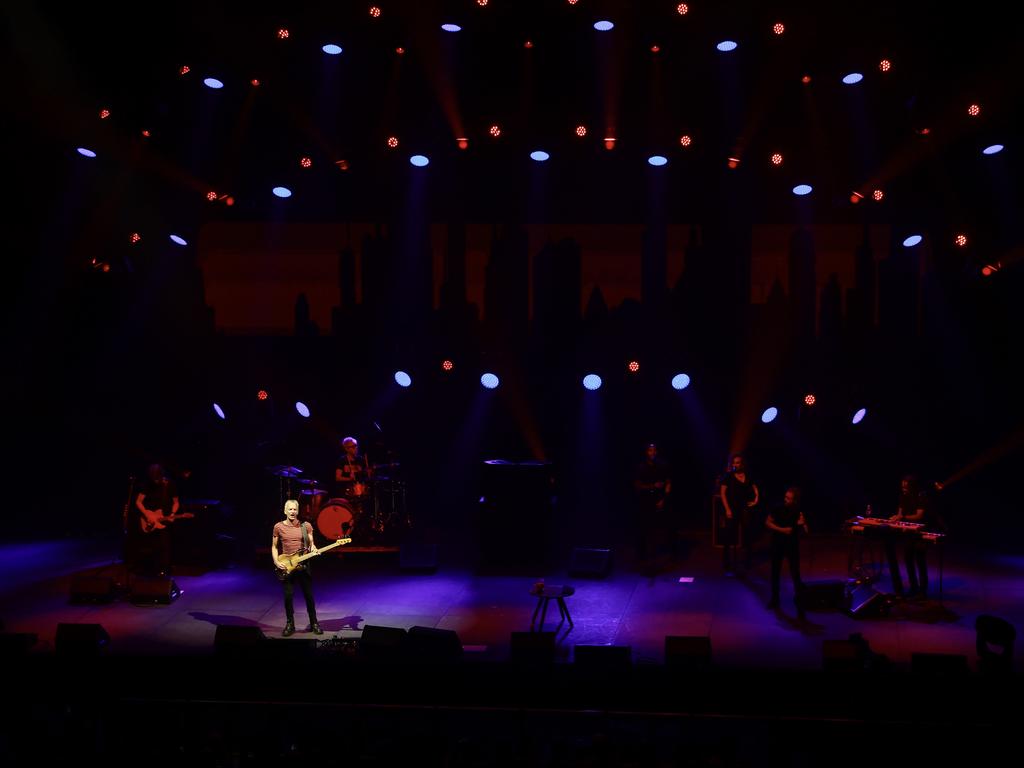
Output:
(806, 79)
(961, 241)
(655, 48)
(229, 201)
(262, 395)
(447, 365)
(856, 197)
(810, 400)
(342, 164)
(581, 131)
(682, 9)
(306, 162)
(254, 82)
(877, 195)
(104, 114)
(777, 159)
(463, 142)
(609, 142)
(392, 141)
(374, 11)
(734, 162)
(495, 130)
(573, 2)
(283, 34)
(633, 366)
(924, 131)
(105, 267)
(211, 195)
(400, 51)
(779, 28)
(528, 44)
(145, 133)
(184, 70)
(885, 65)
(482, 3)
(135, 237)
(685, 140)
(974, 110)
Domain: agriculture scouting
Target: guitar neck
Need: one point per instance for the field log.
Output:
(322, 550)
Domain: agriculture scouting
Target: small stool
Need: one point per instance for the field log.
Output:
(551, 592)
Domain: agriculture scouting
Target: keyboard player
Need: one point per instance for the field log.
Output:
(913, 507)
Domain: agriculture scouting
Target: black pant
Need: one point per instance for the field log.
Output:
(916, 557)
(301, 577)
(786, 548)
(652, 527)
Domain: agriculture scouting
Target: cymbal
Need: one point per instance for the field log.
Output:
(282, 470)
(307, 481)
(313, 492)
(387, 466)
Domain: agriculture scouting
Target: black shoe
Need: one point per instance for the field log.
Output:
(315, 628)
(289, 629)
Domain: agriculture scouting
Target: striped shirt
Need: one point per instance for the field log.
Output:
(290, 536)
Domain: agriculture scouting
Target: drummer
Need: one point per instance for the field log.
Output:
(352, 473)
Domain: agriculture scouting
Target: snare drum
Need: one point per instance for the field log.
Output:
(336, 520)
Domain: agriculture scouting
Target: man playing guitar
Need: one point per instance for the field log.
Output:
(294, 537)
(158, 505)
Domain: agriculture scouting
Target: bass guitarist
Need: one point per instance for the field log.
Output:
(293, 537)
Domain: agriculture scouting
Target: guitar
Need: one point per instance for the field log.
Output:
(291, 562)
(155, 520)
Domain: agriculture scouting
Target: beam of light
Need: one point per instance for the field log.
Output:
(419, 160)
(727, 45)
(853, 78)
(657, 160)
(858, 417)
(490, 381)
(592, 382)
(86, 152)
(213, 82)
(302, 408)
(539, 155)
(219, 411)
(403, 379)
(331, 49)
(451, 27)
(604, 25)
(282, 192)
(680, 382)
(911, 241)
(179, 240)
(769, 415)
(802, 189)
(992, 149)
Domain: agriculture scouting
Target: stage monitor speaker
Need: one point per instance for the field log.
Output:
(244, 640)
(866, 602)
(595, 563)
(689, 652)
(382, 643)
(418, 557)
(433, 645)
(154, 590)
(939, 664)
(81, 640)
(535, 648)
(823, 596)
(92, 589)
(841, 656)
(603, 657)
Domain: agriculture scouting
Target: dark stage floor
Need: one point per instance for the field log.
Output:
(626, 608)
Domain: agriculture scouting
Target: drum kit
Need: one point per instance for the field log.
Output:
(369, 511)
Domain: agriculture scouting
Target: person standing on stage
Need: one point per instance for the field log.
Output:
(739, 495)
(912, 507)
(294, 537)
(787, 524)
(652, 482)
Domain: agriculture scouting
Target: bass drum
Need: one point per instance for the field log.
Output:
(336, 520)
